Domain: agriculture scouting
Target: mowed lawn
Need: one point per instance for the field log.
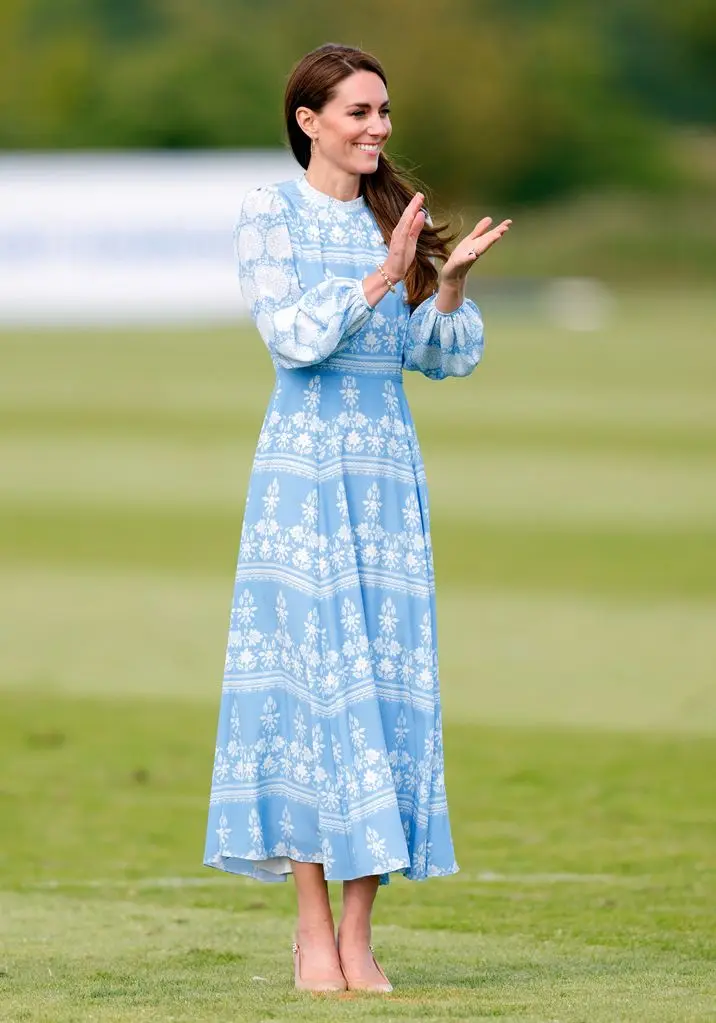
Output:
(573, 502)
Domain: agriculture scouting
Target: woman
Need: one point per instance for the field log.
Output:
(329, 758)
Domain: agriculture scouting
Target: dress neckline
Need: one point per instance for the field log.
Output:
(323, 199)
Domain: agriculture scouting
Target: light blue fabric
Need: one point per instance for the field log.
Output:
(329, 745)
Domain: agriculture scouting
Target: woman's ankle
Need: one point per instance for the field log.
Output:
(354, 931)
(315, 932)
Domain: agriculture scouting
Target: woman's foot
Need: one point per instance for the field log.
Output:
(318, 966)
(359, 965)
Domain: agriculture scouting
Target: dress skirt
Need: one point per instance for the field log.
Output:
(329, 746)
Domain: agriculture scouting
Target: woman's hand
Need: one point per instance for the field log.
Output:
(404, 239)
(468, 251)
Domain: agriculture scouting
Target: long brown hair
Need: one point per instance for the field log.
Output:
(388, 191)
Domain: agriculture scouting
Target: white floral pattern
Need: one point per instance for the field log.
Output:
(351, 553)
(350, 777)
(329, 741)
(348, 432)
(329, 675)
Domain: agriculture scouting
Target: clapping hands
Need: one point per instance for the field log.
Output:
(404, 241)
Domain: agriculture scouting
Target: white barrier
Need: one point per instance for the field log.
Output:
(103, 238)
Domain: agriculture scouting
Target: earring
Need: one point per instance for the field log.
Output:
(314, 142)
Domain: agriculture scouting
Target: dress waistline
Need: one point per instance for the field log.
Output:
(351, 366)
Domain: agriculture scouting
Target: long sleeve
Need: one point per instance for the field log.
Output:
(444, 344)
(299, 327)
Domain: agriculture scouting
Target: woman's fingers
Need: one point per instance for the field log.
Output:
(491, 237)
(494, 234)
(501, 229)
(408, 215)
(497, 232)
(482, 225)
(403, 240)
(417, 225)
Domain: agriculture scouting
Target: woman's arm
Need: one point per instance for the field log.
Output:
(450, 297)
(299, 328)
(445, 332)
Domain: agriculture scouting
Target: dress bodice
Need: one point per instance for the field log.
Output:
(343, 239)
(302, 257)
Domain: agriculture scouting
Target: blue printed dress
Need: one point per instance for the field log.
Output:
(329, 746)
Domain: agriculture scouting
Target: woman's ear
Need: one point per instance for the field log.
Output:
(306, 119)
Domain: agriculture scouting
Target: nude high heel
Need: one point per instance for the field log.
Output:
(385, 987)
(316, 985)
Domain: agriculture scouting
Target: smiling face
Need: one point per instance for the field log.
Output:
(353, 127)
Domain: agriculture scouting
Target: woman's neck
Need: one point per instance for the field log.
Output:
(333, 181)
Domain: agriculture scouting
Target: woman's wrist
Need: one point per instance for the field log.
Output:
(387, 278)
(375, 287)
(451, 294)
(394, 277)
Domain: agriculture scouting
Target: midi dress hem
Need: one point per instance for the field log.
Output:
(276, 873)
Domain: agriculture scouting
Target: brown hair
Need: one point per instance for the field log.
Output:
(388, 191)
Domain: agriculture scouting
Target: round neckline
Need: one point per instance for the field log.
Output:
(324, 199)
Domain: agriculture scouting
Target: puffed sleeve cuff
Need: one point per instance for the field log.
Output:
(319, 324)
(444, 344)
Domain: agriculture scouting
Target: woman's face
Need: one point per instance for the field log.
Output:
(354, 126)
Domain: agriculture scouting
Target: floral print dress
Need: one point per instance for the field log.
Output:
(329, 747)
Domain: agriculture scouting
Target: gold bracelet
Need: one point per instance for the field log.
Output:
(387, 279)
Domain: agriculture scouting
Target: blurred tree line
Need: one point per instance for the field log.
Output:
(512, 99)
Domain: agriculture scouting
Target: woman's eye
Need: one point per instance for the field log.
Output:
(359, 113)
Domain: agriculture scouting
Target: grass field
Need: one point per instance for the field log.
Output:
(573, 498)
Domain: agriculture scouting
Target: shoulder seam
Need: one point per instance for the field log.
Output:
(273, 191)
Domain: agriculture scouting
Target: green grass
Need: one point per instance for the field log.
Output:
(586, 888)
(573, 501)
